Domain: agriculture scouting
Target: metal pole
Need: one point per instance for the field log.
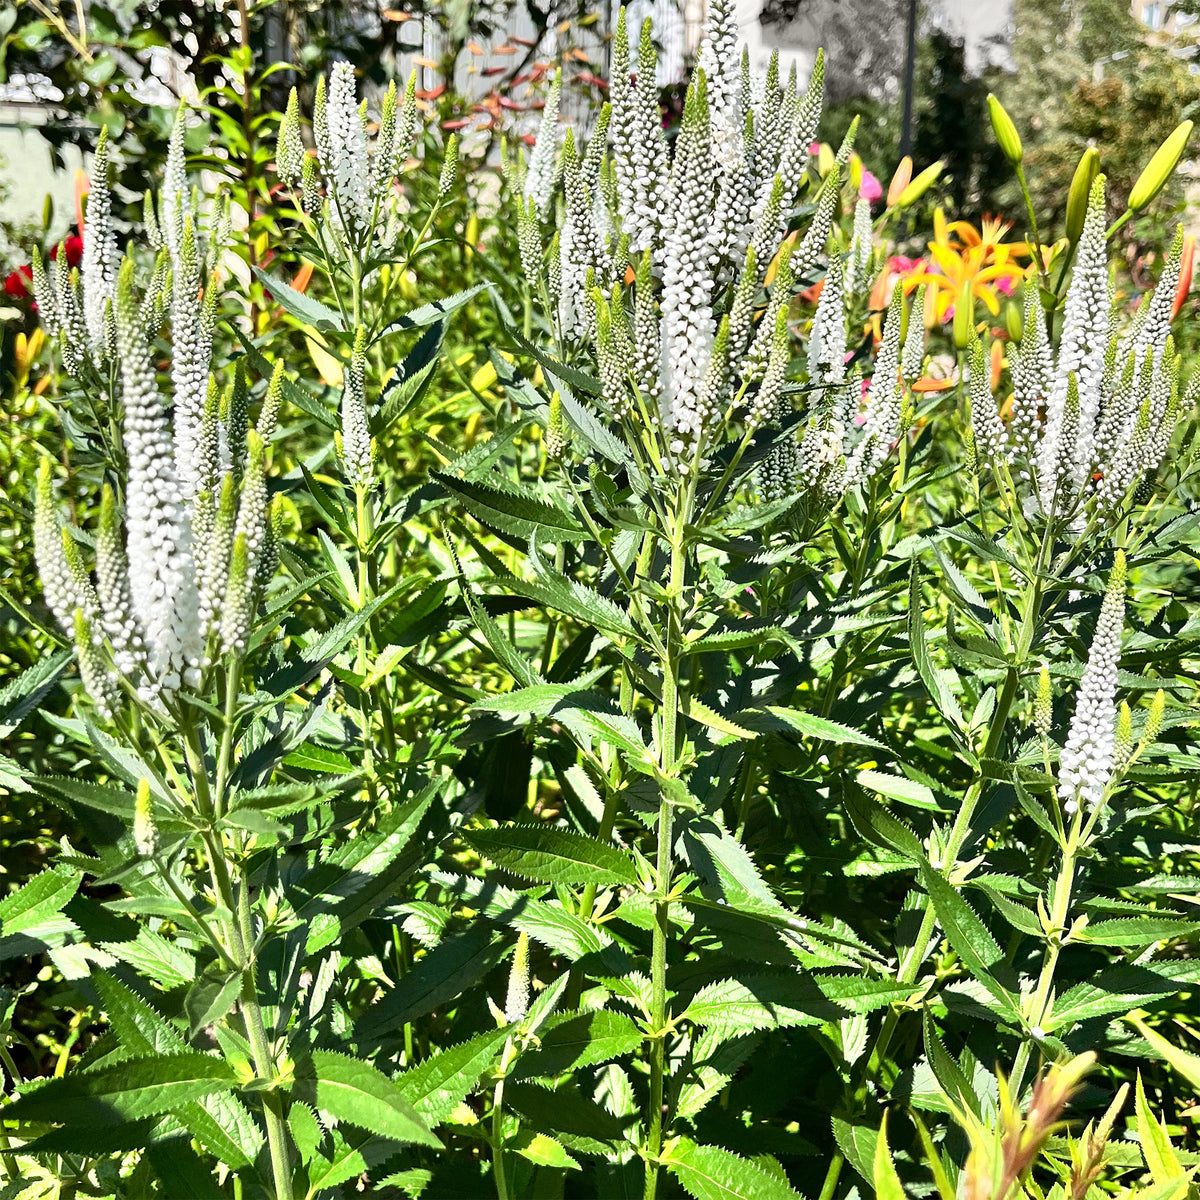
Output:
(910, 67)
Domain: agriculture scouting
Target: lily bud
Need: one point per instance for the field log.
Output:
(920, 185)
(1007, 137)
(1081, 189)
(825, 159)
(1186, 266)
(1014, 323)
(1159, 169)
(900, 180)
(964, 317)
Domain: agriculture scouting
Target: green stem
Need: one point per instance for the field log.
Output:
(668, 751)
(498, 1167)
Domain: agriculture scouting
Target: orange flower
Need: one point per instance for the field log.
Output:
(1185, 274)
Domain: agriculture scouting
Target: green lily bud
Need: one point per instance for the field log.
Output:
(920, 185)
(1160, 168)
(1014, 323)
(1081, 189)
(964, 317)
(1007, 137)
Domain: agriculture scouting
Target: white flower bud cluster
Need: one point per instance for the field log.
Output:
(985, 416)
(358, 179)
(99, 274)
(1062, 459)
(1086, 763)
(545, 169)
(883, 402)
(858, 262)
(356, 448)
(1111, 404)
(164, 564)
(827, 341)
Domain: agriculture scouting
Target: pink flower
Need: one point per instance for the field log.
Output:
(1005, 285)
(815, 148)
(870, 189)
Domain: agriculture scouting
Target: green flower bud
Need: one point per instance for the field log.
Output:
(1081, 189)
(449, 175)
(964, 317)
(556, 430)
(145, 835)
(1007, 137)
(1043, 705)
(920, 185)
(1123, 738)
(1159, 169)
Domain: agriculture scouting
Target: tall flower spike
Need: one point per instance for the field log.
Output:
(45, 295)
(58, 583)
(98, 679)
(827, 342)
(348, 169)
(1085, 765)
(1155, 322)
(213, 568)
(542, 176)
(858, 261)
(173, 204)
(985, 417)
(1031, 367)
(161, 574)
(884, 397)
(268, 414)
(289, 150)
(516, 1003)
(99, 246)
(688, 323)
(640, 154)
(356, 433)
(1082, 347)
(766, 400)
(112, 586)
(189, 360)
(912, 357)
(383, 161)
(249, 535)
(406, 125)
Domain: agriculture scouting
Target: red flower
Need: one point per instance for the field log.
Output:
(16, 285)
(74, 248)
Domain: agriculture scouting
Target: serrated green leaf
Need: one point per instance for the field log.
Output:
(124, 1091)
(1137, 931)
(970, 938)
(877, 825)
(884, 1176)
(436, 1086)
(713, 1173)
(435, 310)
(509, 510)
(42, 897)
(552, 855)
(938, 689)
(355, 1092)
(572, 1041)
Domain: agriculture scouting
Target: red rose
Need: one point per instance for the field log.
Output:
(16, 285)
(74, 246)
